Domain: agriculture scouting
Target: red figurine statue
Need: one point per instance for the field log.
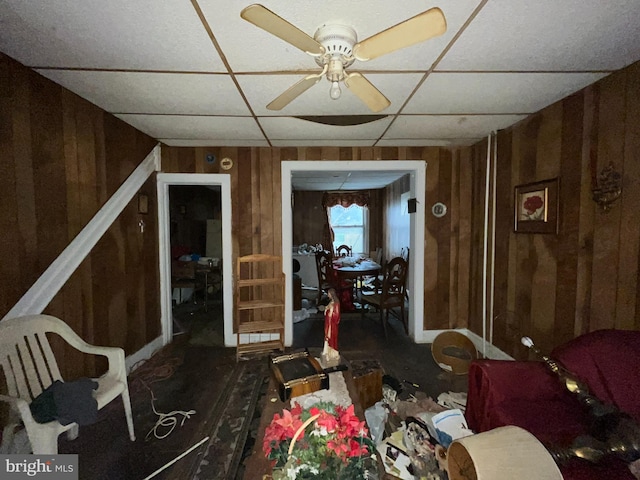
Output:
(331, 321)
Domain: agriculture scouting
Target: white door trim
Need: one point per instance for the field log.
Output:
(418, 171)
(164, 180)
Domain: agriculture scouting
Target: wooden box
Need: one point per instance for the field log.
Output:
(296, 374)
(367, 376)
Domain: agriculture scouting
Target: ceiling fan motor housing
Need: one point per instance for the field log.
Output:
(338, 42)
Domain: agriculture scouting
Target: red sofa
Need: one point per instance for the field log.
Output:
(529, 395)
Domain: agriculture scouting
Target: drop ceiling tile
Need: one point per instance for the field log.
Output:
(549, 35)
(329, 142)
(269, 53)
(417, 142)
(188, 127)
(113, 34)
(467, 93)
(296, 129)
(213, 142)
(260, 90)
(142, 92)
(449, 126)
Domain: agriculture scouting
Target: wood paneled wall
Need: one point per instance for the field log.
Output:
(257, 209)
(308, 218)
(61, 158)
(556, 287)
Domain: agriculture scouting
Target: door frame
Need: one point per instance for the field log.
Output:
(164, 181)
(418, 172)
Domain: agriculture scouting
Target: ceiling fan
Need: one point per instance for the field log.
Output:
(336, 47)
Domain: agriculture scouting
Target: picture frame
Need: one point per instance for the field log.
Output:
(536, 207)
(143, 203)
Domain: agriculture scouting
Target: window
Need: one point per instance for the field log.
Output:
(350, 227)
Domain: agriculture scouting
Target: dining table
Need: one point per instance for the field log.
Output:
(355, 268)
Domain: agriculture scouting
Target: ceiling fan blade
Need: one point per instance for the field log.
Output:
(267, 20)
(293, 92)
(423, 26)
(364, 89)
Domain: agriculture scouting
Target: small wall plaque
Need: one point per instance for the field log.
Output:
(439, 210)
(226, 163)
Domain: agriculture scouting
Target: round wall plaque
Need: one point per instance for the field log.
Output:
(439, 210)
(226, 163)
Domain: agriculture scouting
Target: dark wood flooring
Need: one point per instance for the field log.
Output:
(190, 373)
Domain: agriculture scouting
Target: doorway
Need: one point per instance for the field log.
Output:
(417, 172)
(217, 181)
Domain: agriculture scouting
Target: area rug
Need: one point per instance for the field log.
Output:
(230, 421)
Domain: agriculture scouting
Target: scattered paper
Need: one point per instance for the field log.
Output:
(392, 452)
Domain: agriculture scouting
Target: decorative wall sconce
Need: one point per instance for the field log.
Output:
(607, 187)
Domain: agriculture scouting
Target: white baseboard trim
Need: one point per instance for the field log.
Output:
(492, 352)
(144, 353)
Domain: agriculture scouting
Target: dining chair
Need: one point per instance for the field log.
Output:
(344, 251)
(391, 294)
(326, 275)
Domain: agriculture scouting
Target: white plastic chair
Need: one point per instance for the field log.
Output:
(30, 367)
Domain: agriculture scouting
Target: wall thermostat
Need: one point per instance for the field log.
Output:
(439, 210)
(226, 163)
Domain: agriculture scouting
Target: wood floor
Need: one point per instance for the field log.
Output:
(192, 372)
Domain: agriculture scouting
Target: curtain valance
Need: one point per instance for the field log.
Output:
(345, 199)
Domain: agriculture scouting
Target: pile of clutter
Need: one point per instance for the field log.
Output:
(412, 434)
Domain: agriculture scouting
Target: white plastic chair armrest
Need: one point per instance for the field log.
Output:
(20, 404)
(115, 355)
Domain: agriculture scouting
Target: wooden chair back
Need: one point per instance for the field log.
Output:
(324, 267)
(394, 283)
(392, 292)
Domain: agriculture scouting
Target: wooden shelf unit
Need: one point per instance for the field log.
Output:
(259, 304)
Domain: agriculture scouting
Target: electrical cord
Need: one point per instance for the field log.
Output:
(166, 420)
(148, 374)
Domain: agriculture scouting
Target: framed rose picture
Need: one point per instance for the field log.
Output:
(536, 207)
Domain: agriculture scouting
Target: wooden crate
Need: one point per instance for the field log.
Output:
(367, 376)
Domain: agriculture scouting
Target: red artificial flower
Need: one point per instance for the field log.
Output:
(289, 423)
(533, 203)
(326, 420)
(281, 428)
(356, 449)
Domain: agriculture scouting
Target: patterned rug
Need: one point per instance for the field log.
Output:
(230, 421)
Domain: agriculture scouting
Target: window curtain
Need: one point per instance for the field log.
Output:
(345, 199)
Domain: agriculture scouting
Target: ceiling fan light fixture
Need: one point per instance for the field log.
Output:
(335, 48)
(338, 42)
(334, 91)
